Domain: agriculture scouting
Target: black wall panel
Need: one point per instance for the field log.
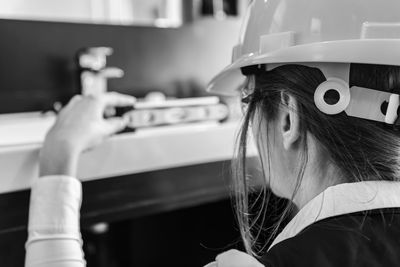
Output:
(37, 58)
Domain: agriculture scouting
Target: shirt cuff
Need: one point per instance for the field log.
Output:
(54, 211)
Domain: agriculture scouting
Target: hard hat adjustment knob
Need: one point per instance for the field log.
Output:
(340, 87)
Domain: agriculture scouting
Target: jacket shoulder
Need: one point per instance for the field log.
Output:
(359, 239)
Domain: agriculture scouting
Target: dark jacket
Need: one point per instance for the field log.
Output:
(365, 238)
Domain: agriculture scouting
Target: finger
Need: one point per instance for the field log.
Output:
(110, 112)
(118, 100)
(115, 125)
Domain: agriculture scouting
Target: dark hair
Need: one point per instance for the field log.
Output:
(360, 149)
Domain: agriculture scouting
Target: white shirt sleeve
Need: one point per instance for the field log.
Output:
(54, 237)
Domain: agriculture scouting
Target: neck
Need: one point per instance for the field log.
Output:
(319, 174)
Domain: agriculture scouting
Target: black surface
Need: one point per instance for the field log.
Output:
(130, 196)
(184, 237)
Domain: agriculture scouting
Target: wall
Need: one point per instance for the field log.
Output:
(37, 58)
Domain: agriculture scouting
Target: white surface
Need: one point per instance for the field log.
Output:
(124, 12)
(25, 128)
(181, 102)
(147, 150)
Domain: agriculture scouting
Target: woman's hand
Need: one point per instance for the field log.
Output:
(79, 127)
(234, 258)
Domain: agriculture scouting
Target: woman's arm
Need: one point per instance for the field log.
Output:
(54, 237)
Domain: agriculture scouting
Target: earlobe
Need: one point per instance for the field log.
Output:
(290, 123)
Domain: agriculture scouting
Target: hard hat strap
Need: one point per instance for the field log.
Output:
(364, 103)
(358, 102)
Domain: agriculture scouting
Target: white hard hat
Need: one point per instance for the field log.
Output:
(313, 31)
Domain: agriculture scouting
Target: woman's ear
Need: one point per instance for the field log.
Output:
(289, 121)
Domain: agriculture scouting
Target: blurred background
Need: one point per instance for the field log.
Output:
(176, 52)
(159, 197)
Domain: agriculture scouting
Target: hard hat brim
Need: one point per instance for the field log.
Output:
(367, 51)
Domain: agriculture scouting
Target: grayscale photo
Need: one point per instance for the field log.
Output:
(210, 133)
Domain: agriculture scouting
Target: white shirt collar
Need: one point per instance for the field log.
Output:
(342, 199)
